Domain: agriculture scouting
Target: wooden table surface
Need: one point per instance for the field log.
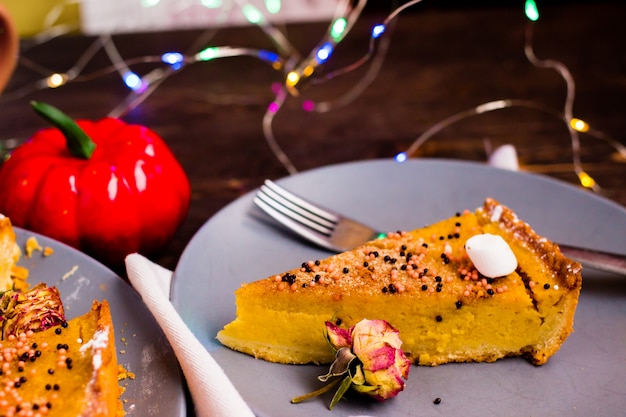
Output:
(441, 60)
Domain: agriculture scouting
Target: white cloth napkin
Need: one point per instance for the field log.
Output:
(212, 392)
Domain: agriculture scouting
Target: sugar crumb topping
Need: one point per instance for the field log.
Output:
(496, 214)
(98, 342)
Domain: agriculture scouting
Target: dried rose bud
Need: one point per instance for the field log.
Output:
(37, 309)
(377, 345)
(337, 336)
(368, 357)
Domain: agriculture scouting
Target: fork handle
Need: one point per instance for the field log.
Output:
(604, 261)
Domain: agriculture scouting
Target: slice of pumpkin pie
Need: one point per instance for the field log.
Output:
(475, 287)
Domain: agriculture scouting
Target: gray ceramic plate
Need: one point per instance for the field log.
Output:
(239, 244)
(157, 389)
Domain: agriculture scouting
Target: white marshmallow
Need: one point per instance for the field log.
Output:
(504, 157)
(491, 255)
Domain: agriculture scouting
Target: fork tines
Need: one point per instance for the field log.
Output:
(285, 206)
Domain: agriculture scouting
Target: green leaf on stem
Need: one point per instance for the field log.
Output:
(343, 388)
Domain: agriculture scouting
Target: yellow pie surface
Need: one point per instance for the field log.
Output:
(66, 370)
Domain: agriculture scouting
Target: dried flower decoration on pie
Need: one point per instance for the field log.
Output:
(368, 359)
(35, 310)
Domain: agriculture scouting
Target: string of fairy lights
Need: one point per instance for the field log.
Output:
(297, 71)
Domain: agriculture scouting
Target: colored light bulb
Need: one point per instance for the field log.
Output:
(338, 28)
(56, 80)
(308, 105)
(586, 180)
(530, 8)
(208, 54)
(292, 78)
(149, 3)
(579, 125)
(172, 58)
(268, 56)
(211, 4)
(134, 81)
(324, 52)
(378, 30)
(273, 107)
(401, 157)
(273, 6)
(252, 14)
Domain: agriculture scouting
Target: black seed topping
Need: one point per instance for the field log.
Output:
(289, 278)
(51, 371)
(442, 238)
(385, 290)
(64, 324)
(438, 278)
(424, 245)
(403, 267)
(546, 286)
(392, 288)
(437, 401)
(458, 304)
(439, 318)
(424, 287)
(346, 270)
(56, 387)
(338, 322)
(403, 247)
(317, 278)
(58, 330)
(317, 262)
(365, 264)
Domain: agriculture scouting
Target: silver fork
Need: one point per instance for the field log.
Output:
(337, 232)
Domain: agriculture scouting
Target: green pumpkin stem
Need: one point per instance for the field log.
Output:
(78, 142)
